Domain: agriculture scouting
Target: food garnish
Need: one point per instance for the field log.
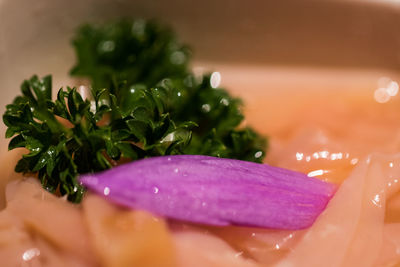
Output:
(144, 102)
(215, 191)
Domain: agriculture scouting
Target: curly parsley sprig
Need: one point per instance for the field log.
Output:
(145, 52)
(64, 137)
(145, 102)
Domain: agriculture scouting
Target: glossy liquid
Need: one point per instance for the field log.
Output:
(325, 123)
(330, 124)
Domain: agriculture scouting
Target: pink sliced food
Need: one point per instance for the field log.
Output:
(350, 231)
(39, 229)
(196, 249)
(122, 237)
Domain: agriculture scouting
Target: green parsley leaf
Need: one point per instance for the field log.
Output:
(145, 102)
(162, 65)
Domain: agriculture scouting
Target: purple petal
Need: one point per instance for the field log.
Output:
(215, 191)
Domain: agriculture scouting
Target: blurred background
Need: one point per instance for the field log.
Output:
(35, 35)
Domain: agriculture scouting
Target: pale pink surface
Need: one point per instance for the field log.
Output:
(308, 121)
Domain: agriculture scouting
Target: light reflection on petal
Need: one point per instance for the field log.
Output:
(106, 191)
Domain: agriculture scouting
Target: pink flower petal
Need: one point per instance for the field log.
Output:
(215, 191)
